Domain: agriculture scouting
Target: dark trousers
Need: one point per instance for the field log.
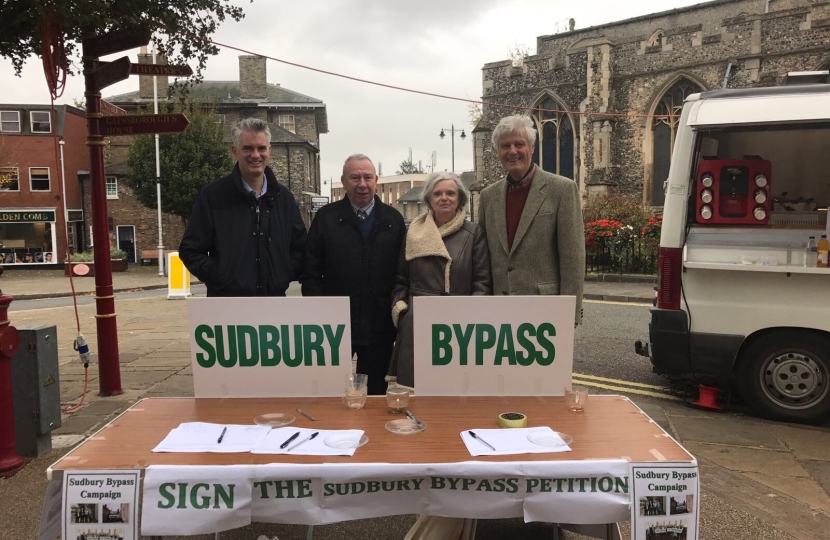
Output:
(373, 360)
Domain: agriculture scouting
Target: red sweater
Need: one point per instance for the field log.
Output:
(516, 199)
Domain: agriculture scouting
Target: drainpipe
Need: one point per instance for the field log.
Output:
(288, 162)
(729, 68)
(65, 211)
(766, 9)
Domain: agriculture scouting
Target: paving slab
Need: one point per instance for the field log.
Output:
(805, 443)
(103, 406)
(154, 362)
(142, 379)
(820, 473)
(80, 425)
(177, 385)
(803, 489)
(738, 458)
(725, 430)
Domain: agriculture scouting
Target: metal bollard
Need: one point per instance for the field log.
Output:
(9, 340)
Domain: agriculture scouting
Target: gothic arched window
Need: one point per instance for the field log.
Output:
(664, 127)
(554, 149)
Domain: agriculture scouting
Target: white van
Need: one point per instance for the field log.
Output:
(736, 306)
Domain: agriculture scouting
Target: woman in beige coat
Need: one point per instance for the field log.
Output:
(443, 254)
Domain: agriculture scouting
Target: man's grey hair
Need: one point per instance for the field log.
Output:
(517, 123)
(357, 157)
(251, 125)
(434, 178)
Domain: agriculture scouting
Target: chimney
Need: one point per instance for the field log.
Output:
(145, 82)
(252, 83)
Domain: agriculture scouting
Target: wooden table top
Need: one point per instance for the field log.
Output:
(611, 427)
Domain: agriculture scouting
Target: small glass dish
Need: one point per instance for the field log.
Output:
(404, 426)
(549, 439)
(274, 419)
(345, 441)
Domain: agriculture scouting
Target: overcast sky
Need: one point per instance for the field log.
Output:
(438, 46)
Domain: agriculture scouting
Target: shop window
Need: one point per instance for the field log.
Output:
(664, 128)
(554, 148)
(286, 121)
(112, 187)
(41, 121)
(27, 242)
(74, 215)
(9, 122)
(9, 179)
(39, 179)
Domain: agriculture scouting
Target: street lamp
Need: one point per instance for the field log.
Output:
(452, 135)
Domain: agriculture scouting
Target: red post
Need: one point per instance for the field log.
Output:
(9, 340)
(109, 370)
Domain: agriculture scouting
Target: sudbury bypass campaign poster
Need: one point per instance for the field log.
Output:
(100, 505)
(665, 501)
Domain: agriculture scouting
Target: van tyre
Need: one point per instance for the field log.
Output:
(785, 376)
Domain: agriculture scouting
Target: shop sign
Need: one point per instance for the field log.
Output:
(493, 346)
(27, 216)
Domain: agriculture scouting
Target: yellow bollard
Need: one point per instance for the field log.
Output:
(178, 277)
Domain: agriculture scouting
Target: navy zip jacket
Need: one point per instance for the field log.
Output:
(240, 246)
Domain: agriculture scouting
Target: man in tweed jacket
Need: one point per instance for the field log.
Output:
(533, 221)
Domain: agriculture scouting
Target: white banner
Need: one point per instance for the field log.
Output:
(665, 500)
(100, 504)
(508, 346)
(267, 347)
(195, 500)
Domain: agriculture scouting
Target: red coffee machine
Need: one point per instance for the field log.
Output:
(733, 191)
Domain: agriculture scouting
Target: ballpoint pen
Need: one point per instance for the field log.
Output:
(222, 436)
(414, 420)
(306, 414)
(291, 438)
(476, 437)
(304, 441)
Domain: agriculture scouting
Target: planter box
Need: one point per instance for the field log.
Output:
(118, 265)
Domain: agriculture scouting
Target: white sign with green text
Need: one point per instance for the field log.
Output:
(269, 347)
(100, 504)
(189, 500)
(665, 501)
(493, 345)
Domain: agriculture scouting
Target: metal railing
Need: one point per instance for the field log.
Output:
(636, 257)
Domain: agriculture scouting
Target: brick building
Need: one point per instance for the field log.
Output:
(296, 122)
(390, 190)
(33, 179)
(643, 66)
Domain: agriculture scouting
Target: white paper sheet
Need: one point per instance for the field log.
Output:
(314, 447)
(508, 442)
(203, 437)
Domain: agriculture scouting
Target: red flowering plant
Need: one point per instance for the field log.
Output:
(652, 230)
(601, 234)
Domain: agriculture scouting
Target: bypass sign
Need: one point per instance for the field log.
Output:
(493, 345)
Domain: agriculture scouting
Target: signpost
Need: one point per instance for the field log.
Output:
(318, 202)
(160, 69)
(142, 124)
(98, 75)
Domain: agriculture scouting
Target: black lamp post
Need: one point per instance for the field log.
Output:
(452, 135)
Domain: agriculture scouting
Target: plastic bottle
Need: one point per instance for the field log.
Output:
(811, 253)
(823, 250)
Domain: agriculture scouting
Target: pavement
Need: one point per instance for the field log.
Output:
(760, 479)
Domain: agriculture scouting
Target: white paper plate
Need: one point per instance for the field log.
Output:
(549, 439)
(344, 441)
(405, 426)
(274, 419)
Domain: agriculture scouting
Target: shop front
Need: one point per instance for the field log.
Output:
(27, 236)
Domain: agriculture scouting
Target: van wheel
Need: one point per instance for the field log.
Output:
(786, 376)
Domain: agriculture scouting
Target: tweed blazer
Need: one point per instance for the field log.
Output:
(548, 252)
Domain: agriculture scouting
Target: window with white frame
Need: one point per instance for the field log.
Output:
(286, 121)
(220, 118)
(112, 187)
(39, 179)
(9, 122)
(41, 121)
(9, 179)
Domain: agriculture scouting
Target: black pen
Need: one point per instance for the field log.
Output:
(224, 429)
(291, 438)
(476, 437)
(304, 441)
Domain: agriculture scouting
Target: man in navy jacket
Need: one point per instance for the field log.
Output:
(245, 236)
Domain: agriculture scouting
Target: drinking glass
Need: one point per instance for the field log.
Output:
(575, 397)
(397, 397)
(356, 388)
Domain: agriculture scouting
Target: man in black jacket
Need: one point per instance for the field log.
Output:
(245, 236)
(352, 250)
